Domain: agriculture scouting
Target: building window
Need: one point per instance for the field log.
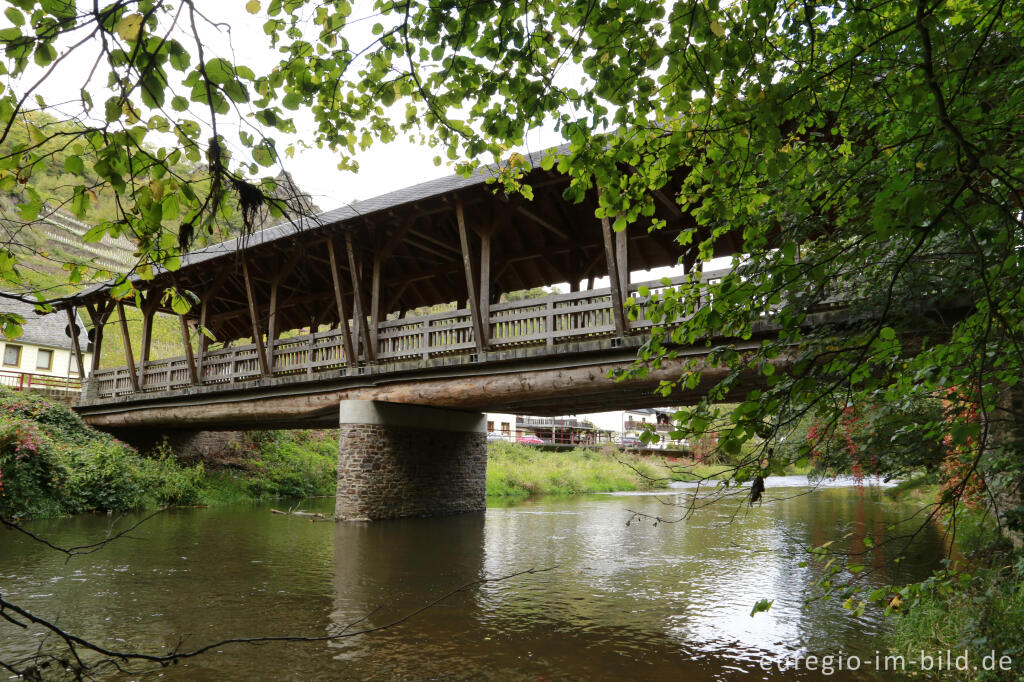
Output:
(490, 427)
(506, 428)
(12, 355)
(44, 358)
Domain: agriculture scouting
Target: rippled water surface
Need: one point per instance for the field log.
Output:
(620, 601)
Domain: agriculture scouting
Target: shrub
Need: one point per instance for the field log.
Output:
(52, 463)
(32, 473)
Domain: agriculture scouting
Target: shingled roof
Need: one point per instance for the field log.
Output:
(356, 209)
(48, 330)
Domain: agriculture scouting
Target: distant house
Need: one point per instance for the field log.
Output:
(623, 427)
(41, 358)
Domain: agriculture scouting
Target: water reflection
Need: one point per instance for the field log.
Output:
(641, 601)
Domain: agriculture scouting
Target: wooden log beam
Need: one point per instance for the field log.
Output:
(546, 224)
(339, 302)
(396, 238)
(127, 339)
(358, 316)
(435, 241)
(257, 335)
(613, 277)
(551, 391)
(467, 264)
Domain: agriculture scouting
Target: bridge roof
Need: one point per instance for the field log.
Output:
(290, 228)
(410, 240)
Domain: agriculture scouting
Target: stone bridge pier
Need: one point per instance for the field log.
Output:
(397, 460)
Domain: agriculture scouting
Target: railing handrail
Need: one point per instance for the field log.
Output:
(40, 380)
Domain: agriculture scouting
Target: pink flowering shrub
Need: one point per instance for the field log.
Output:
(51, 463)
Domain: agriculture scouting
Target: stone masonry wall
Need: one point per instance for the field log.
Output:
(387, 472)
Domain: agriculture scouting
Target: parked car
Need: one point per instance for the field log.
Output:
(530, 440)
(631, 442)
(493, 436)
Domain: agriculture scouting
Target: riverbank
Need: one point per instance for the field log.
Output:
(974, 606)
(53, 464)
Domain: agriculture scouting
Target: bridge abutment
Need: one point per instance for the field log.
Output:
(397, 460)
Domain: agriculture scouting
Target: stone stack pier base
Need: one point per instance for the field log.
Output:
(398, 460)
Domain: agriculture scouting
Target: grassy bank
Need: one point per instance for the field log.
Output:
(515, 470)
(975, 606)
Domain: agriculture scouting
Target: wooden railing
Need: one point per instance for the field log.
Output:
(25, 381)
(539, 322)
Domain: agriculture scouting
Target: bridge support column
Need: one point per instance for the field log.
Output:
(398, 460)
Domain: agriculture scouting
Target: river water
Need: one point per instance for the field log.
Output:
(670, 601)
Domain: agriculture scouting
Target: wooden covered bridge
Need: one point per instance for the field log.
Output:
(394, 300)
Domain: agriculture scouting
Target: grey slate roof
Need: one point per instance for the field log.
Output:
(44, 330)
(356, 209)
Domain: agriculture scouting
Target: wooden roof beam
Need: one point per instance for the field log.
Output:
(546, 224)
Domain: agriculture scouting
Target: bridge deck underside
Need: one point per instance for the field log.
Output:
(569, 383)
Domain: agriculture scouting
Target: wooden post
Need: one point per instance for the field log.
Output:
(99, 316)
(149, 306)
(358, 316)
(128, 347)
(622, 260)
(485, 287)
(257, 336)
(467, 263)
(272, 323)
(204, 340)
(339, 300)
(375, 302)
(549, 324)
(613, 279)
(73, 327)
(189, 358)
(204, 309)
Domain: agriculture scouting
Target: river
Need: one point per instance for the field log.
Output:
(669, 601)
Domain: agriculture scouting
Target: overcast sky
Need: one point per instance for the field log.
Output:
(241, 38)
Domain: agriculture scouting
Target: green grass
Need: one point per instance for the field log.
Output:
(515, 470)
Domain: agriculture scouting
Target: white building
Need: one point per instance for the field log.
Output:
(41, 358)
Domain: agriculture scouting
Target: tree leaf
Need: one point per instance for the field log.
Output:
(129, 27)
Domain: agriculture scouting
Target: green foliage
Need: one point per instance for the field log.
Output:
(51, 463)
(293, 464)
